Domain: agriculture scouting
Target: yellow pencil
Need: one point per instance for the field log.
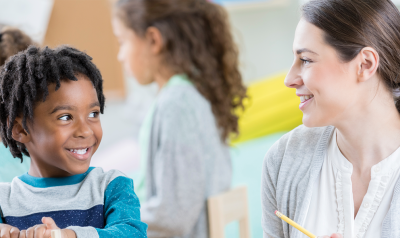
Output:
(294, 224)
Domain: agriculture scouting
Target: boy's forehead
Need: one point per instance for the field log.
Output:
(80, 93)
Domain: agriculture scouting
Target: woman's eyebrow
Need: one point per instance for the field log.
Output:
(62, 107)
(299, 51)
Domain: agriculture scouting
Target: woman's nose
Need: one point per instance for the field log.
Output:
(293, 78)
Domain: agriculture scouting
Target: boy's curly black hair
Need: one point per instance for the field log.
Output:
(25, 78)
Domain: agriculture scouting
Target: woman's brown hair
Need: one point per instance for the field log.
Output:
(351, 25)
(198, 43)
(12, 41)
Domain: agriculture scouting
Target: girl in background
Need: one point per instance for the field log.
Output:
(12, 41)
(186, 47)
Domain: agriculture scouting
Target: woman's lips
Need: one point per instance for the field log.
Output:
(305, 100)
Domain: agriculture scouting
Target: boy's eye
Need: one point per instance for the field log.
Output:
(65, 118)
(94, 114)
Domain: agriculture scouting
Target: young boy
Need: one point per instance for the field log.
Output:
(50, 101)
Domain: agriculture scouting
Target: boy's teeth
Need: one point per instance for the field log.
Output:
(79, 152)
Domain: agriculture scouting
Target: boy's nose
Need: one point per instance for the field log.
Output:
(83, 130)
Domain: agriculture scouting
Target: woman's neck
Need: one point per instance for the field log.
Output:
(371, 134)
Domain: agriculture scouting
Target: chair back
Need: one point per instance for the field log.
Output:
(227, 207)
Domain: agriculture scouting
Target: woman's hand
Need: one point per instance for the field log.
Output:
(7, 231)
(335, 235)
(44, 230)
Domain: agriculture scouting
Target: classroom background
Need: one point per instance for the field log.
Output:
(263, 30)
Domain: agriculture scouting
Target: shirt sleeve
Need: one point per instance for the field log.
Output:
(122, 211)
(177, 176)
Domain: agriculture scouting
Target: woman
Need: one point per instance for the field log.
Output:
(186, 48)
(339, 172)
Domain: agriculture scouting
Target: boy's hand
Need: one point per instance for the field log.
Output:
(7, 231)
(44, 230)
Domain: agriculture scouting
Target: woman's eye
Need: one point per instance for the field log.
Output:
(65, 118)
(305, 62)
(94, 114)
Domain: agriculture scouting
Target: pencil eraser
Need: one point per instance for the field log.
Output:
(56, 233)
(276, 212)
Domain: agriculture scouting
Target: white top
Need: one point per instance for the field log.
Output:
(331, 209)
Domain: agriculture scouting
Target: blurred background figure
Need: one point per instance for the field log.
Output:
(186, 48)
(12, 41)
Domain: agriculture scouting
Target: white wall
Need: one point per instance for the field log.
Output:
(265, 36)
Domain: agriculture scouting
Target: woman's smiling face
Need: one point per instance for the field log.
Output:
(327, 87)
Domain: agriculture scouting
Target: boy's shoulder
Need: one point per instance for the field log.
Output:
(98, 175)
(5, 187)
(98, 178)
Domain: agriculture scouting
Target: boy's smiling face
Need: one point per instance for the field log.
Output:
(65, 131)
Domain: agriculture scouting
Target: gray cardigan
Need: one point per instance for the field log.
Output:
(187, 163)
(290, 170)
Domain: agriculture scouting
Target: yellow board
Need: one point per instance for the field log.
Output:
(271, 107)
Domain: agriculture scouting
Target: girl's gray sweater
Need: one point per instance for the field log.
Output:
(187, 163)
(290, 170)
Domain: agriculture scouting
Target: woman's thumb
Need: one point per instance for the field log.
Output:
(49, 222)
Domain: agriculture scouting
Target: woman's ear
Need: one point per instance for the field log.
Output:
(19, 133)
(369, 64)
(154, 37)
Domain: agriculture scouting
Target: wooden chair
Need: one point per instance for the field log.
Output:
(227, 207)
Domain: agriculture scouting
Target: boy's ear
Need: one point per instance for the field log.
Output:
(19, 133)
(155, 39)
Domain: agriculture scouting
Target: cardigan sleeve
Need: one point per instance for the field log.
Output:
(271, 224)
(178, 174)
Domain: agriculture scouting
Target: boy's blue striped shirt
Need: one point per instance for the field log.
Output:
(93, 204)
(53, 182)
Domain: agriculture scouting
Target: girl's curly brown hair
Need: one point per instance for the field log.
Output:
(197, 42)
(12, 41)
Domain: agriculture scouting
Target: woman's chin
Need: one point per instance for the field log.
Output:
(312, 121)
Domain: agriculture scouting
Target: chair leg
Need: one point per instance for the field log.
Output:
(216, 220)
(244, 227)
